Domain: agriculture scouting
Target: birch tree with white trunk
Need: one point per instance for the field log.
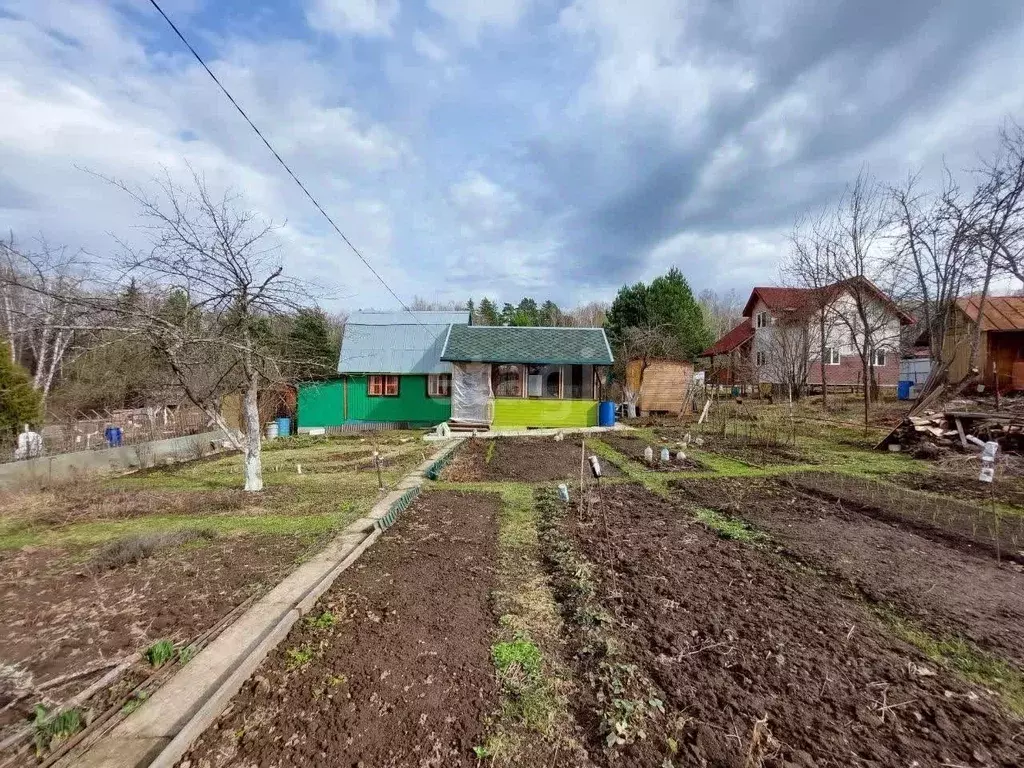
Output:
(39, 312)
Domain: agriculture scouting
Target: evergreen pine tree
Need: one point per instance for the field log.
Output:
(20, 404)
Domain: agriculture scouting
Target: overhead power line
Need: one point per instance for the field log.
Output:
(284, 165)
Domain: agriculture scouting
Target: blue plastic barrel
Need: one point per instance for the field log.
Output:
(284, 427)
(903, 390)
(606, 413)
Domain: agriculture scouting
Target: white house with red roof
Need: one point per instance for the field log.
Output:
(786, 333)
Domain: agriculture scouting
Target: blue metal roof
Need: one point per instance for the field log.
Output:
(397, 342)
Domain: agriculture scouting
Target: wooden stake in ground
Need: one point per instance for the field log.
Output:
(583, 465)
(704, 413)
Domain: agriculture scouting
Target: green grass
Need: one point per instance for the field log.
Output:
(97, 532)
(963, 657)
(159, 653)
(297, 657)
(325, 620)
(729, 528)
(50, 728)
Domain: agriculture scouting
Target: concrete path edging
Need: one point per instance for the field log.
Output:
(164, 727)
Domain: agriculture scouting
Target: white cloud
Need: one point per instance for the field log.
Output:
(426, 46)
(751, 256)
(484, 207)
(650, 64)
(77, 100)
(471, 16)
(363, 17)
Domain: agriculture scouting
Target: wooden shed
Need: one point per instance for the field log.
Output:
(663, 384)
(1001, 352)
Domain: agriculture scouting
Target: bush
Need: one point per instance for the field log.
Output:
(20, 404)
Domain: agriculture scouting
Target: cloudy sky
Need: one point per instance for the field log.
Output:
(501, 147)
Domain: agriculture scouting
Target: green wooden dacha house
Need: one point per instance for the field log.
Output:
(390, 374)
(512, 377)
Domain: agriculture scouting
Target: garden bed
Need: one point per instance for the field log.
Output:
(519, 459)
(65, 612)
(634, 447)
(976, 529)
(751, 661)
(392, 667)
(963, 483)
(947, 590)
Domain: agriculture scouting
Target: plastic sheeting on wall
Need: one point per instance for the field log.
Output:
(471, 392)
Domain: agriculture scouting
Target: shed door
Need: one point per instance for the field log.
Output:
(471, 392)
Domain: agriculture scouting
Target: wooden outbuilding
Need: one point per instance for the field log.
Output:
(664, 385)
(1001, 351)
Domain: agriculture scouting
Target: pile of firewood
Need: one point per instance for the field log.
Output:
(953, 429)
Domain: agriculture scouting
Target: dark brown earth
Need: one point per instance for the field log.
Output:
(60, 615)
(634, 447)
(965, 485)
(968, 526)
(403, 678)
(757, 450)
(521, 459)
(948, 590)
(731, 635)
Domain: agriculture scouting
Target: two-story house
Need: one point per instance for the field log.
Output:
(787, 332)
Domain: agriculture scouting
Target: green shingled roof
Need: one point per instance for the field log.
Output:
(542, 346)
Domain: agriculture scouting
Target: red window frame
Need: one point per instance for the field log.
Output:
(382, 386)
(439, 385)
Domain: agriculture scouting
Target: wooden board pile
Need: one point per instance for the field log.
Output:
(950, 428)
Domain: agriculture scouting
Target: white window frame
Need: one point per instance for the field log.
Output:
(878, 355)
(763, 319)
(832, 356)
(434, 385)
(761, 359)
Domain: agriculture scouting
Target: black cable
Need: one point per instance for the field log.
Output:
(283, 163)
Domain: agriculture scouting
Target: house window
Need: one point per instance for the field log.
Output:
(439, 385)
(508, 381)
(761, 358)
(382, 386)
(764, 319)
(832, 356)
(878, 358)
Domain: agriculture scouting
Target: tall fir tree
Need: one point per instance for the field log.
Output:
(20, 404)
(314, 343)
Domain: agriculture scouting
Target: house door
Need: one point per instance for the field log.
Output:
(471, 392)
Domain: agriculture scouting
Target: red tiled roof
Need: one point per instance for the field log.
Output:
(806, 299)
(734, 338)
(1002, 313)
(780, 299)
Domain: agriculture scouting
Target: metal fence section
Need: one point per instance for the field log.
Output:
(107, 430)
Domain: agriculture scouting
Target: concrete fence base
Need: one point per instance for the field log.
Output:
(68, 466)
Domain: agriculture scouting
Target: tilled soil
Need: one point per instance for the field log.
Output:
(634, 447)
(733, 635)
(947, 589)
(520, 459)
(972, 527)
(400, 675)
(61, 615)
(735, 447)
(964, 485)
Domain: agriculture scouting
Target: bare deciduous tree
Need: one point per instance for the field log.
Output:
(205, 293)
(808, 265)
(937, 237)
(868, 281)
(38, 309)
(645, 344)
